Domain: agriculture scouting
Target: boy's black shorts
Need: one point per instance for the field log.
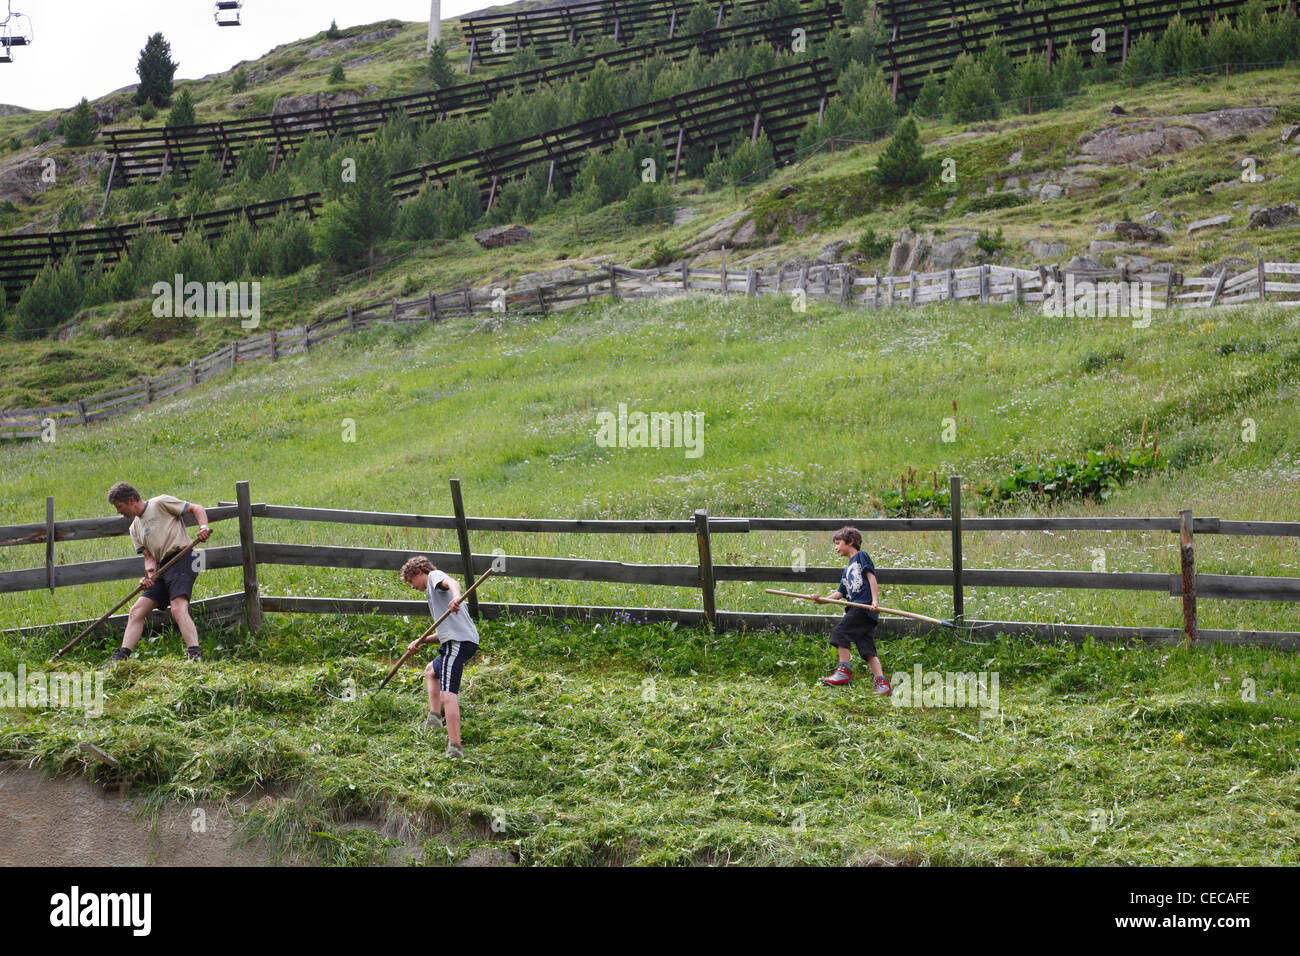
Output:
(450, 662)
(176, 581)
(855, 628)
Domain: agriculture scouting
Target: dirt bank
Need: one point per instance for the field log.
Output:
(69, 821)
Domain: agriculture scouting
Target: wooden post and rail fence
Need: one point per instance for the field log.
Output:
(1278, 282)
(249, 605)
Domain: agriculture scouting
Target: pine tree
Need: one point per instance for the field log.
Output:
(349, 229)
(930, 100)
(337, 75)
(997, 64)
(80, 128)
(968, 93)
(441, 74)
(903, 162)
(54, 296)
(182, 111)
(333, 33)
(597, 97)
(156, 71)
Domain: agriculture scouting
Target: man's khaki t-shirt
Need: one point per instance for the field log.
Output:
(159, 528)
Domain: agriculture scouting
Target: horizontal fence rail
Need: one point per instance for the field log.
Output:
(1066, 291)
(1184, 583)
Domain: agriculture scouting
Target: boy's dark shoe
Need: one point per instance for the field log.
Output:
(841, 676)
(432, 721)
(454, 752)
(194, 653)
(119, 655)
(883, 687)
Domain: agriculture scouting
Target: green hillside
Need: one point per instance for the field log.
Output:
(623, 742)
(811, 413)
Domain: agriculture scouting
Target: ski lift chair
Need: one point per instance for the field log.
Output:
(227, 13)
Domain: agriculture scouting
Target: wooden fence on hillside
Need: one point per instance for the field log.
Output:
(23, 257)
(251, 604)
(1043, 285)
(778, 102)
(549, 32)
(150, 152)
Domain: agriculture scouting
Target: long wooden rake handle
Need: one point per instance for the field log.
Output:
(432, 628)
(157, 573)
(865, 607)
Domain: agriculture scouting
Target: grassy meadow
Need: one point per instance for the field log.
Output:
(805, 414)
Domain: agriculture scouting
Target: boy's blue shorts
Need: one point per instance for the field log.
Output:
(855, 627)
(450, 661)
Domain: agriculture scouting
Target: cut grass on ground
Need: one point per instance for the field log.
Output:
(627, 743)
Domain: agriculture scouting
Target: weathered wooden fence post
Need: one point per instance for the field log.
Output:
(248, 553)
(466, 555)
(686, 276)
(49, 543)
(958, 597)
(706, 565)
(723, 272)
(1188, 561)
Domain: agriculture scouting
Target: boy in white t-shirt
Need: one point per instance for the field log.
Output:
(458, 642)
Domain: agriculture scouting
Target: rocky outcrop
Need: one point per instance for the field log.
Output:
(533, 280)
(346, 43)
(499, 236)
(1131, 142)
(1137, 232)
(23, 177)
(719, 234)
(1273, 216)
(908, 253)
(313, 101)
(952, 252)
(1045, 250)
(834, 252)
(1213, 222)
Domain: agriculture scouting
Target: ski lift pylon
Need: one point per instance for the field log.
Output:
(227, 13)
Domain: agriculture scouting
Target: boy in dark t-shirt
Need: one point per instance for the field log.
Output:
(857, 584)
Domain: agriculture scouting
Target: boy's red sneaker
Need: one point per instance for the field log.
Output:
(839, 677)
(883, 687)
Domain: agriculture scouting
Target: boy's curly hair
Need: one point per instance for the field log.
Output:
(852, 535)
(122, 492)
(416, 565)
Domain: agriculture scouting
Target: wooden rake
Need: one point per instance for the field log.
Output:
(956, 627)
(157, 574)
(433, 628)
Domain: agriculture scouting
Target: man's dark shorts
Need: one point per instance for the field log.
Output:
(855, 628)
(450, 662)
(176, 581)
